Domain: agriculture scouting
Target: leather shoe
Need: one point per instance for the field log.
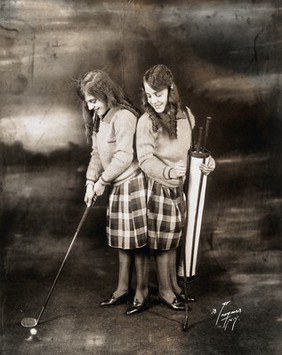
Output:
(189, 298)
(112, 301)
(137, 306)
(176, 304)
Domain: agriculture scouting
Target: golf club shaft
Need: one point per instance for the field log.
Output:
(65, 258)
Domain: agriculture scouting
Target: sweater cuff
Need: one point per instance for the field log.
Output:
(103, 181)
(166, 172)
(90, 182)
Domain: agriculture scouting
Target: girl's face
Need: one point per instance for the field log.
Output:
(157, 99)
(100, 107)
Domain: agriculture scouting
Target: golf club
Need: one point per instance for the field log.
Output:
(32, 322)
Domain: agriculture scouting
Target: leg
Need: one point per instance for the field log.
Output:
(163, 260)
(172, 272)
(176, 288)
(166, 293)
(125, 272)
(122, 293)
(173, 278)
(142, 267)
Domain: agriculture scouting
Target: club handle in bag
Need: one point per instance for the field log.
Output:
(199, 142)
(207, 127)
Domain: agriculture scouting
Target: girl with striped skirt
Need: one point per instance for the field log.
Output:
(164, 134)
(110, 120)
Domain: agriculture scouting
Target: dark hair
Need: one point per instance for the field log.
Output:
(160, 77)
(98, 84)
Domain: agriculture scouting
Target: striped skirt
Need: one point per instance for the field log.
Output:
(165, 216)
(126, 214)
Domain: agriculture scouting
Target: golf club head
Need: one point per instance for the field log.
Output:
(29, 322)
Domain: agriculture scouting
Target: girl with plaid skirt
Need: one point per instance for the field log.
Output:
(164, 134)
(110, 120)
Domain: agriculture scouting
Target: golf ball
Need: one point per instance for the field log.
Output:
(33, 331)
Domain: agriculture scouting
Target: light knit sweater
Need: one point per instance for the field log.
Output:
(113, 157)
(157, 152)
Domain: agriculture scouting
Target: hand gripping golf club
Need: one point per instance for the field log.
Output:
(32, 322)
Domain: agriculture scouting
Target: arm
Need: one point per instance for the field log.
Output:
(94, 170)
(191, 117)
(146, 145)
(124, 126)
(95, 167)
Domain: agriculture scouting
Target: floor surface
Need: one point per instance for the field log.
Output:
(237, 286)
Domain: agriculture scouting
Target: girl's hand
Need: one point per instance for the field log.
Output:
(89, 194)
(178, 170)
(99, 188)
(208, 167)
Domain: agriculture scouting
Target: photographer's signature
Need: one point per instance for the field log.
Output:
(226, 318)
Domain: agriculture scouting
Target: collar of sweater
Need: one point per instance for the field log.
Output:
(180, 115)
(109, 115)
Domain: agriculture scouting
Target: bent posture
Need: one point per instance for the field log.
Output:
(111, 120)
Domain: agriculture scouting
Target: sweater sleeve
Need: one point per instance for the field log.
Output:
(146, 145)
(95, 167)
(124, 126)
(191, 117)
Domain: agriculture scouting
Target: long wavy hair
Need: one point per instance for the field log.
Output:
(159, 77)
(97, 83)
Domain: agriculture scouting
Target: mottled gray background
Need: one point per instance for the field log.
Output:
(226, 56)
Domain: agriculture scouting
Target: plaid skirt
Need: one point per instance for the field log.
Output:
(126, 214)
(165, 216)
